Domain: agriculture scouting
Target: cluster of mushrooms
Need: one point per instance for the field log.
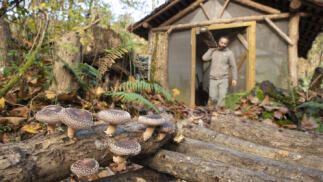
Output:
(79, 119)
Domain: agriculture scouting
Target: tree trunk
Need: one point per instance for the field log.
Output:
(140, 175)
(267, 135)
(209, 136)
(198, 169)
(250, 162)
(48, 158)
(4, 42)
(68, 49)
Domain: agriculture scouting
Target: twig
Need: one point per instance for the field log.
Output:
(29, 62)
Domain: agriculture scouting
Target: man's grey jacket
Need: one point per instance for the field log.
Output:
(220, 64)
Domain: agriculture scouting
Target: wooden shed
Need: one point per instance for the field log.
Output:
(266, 37)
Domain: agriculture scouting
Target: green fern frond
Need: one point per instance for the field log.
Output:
(142, 86)
(109, 59)
(132, 97)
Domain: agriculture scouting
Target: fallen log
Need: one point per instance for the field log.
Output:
(140, 175)
(242, 160)
(267, 135)
(210, 136)
(198, 169)
(48, 158)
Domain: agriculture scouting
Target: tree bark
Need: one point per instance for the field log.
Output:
(68, 49)
(250, 162)
(198, 169)
(267, 135)
(209, 136)
(140, 175)
(4, 42)
(48, 158)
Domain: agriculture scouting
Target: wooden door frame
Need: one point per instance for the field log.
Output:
(251, 56)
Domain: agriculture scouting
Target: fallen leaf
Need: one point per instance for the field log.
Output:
(2, 103)
(290, 126)
(16, 121)
(309, 123)
(268, 121)
(20, 112)
(176, 91)
(265, 101)
(283, 153)
(283, 110)
(5, 138)
(106, 172)
(50, 94)
(278, 115)
(31, 128)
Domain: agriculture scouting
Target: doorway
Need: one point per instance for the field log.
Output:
(244, 50)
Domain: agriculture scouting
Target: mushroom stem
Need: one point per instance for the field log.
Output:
(70, 132)
(148, 133)
(118, 159)
(161, 136)
(50, 128)
(111, 129)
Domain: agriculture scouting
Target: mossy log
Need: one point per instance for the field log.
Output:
(247, 161)
(48, 158)
(140, 175)
(198, 169)
(262, 134)
(212, 137)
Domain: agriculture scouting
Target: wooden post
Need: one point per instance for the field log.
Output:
(280, 32)
(292, 49)
(150, 43)
(193, 65)
(258, 6)
(251, 63)
(223, 8)
(241, 60)
(182, 13)
(242, 40)
(205, 12)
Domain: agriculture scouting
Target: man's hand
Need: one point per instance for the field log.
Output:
(234, 83)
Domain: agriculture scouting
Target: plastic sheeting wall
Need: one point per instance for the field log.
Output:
(271, 51)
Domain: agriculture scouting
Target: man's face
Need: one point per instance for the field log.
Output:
(223, 42)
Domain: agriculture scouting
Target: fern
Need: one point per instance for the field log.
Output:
(141, 86)
(106, 62)
(132, 97)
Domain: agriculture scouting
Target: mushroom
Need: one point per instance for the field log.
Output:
(84, 168)
(75, 119)
(151, 121)
(164, 129)
(113, 117)
(121, 150)
(49, 115)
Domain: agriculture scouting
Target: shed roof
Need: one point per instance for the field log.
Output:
(310, 26)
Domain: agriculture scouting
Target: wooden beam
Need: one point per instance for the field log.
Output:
(182, 13)
(279, 31)
(242, 58)
(205, 12)
(292, 49)
(193, 65)
(157, 14)
(251, 61)
(258, 6)
(242, 40)
(223, 8)
(221, 21)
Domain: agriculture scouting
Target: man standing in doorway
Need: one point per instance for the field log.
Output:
(221, 59)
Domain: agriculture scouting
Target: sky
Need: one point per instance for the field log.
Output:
(119, 8)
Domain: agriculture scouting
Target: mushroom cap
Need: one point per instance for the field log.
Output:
(49, 114)
(151, 120)
(167, 127)
(85, 167)
(114, 116)
(125, 147)
(77, 119)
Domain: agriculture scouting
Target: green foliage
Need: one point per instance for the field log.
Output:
(267, 115)
(4, 129)
(142, 86)
(284, 122)
(311, 108)
(259, 93)
(232, 100)
(132, 97)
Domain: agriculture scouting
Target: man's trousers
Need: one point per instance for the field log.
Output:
(217, 91)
